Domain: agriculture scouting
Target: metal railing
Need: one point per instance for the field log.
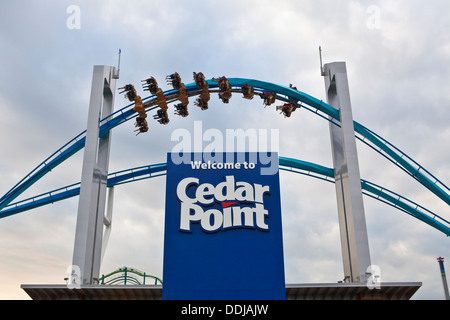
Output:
(129, 276)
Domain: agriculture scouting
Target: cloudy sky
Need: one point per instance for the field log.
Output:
(397, 55)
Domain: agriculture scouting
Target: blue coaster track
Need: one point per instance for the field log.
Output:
(283, 93)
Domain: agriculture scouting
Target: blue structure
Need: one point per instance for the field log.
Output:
(287, 164)
(318, 107)
(223, 235)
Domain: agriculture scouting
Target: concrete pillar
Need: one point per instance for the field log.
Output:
(352, 222)
(91, 205)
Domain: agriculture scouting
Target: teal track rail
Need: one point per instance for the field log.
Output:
(372, 190)
(287, 164)
(304, 100)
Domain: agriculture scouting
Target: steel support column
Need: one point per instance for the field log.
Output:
(91, 206)
(352, 222)
(444, 278)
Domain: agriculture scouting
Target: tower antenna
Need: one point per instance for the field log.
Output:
(116, 74)
(322, 72)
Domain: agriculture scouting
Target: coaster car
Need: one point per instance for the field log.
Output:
(183, 96)
(130, 92)
(161, 100)
(202, 100)
(201, 103)
(175, 80)
(268, 97)
(200, 81)
(181, 110)
(248, 91)
(150, 85)
(162, 117)
(141, 125)
(287, 109)
(225, 89)
(139, 107)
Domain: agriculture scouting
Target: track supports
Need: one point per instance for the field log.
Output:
(91, 206)
(354, 239)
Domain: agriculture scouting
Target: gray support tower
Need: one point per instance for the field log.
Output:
(352, 222)
(91, 206)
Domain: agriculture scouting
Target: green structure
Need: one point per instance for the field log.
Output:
(128, 276)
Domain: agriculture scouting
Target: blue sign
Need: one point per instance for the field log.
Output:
(223, 232)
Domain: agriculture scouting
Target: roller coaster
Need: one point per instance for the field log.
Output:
(126, 276)
(291, 99)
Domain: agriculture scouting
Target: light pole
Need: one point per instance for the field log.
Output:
(444, 279)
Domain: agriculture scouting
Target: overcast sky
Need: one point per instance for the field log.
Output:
(397, 55)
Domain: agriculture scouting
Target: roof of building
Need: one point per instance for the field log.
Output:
(309, 291)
